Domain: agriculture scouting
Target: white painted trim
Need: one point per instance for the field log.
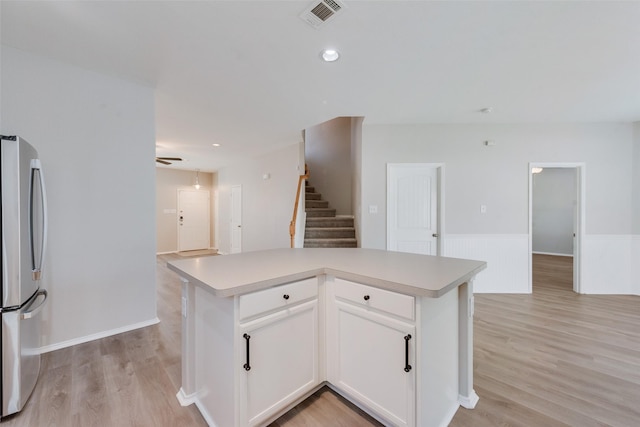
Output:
(505, 255)
(216, 222)
(551, 253)
(186, 399)
(441, 204)
(469, 402)
(166, 253)
(205, 413)
(581, 218)
(450, 414)
(97, 336)
(609, 263)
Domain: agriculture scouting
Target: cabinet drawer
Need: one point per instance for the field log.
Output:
(367, 296)
(282, 296)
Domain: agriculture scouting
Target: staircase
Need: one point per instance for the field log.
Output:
(323, 228)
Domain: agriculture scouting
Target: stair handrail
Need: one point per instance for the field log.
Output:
(292, 224)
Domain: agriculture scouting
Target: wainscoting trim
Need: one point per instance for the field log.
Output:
(609, 262)
(506, 256)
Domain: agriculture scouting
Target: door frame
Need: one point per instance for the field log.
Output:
(439, 199)
(233, 249)
(579, 220)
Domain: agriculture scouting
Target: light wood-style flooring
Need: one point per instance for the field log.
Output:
(553, 358)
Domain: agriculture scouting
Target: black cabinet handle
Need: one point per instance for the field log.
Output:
(285, 296)
(407, 367)
(247, 367)
(366, 297)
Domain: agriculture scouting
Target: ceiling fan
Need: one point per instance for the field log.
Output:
(165, 160)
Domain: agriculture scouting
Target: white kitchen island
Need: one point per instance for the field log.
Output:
(392, 332)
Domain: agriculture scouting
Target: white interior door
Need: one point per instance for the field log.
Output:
(236, 219)
(412, 208)
(193, 220)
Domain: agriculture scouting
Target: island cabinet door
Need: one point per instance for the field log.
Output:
(371, 359)
(278, 361)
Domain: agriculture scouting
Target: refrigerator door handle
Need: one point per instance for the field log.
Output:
(36, 167)
(32, 312)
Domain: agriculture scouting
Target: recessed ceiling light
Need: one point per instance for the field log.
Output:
(330, 55)
(216, 145)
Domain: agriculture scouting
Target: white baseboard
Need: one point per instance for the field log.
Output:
(506, 256)
(92, 337)
(469, 402)
(186, 399)
(449, 415)
(551, 253)
(204, 413)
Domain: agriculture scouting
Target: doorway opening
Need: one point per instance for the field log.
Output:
(556, 220)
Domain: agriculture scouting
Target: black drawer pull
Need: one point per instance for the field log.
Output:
(407, 367)
(366, 297)
(285, 296)
(246, 366)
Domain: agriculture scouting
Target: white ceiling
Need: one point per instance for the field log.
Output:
(247, 74)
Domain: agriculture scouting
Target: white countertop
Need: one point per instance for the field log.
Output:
(417, 275)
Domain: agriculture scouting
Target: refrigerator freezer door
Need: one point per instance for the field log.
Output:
(20, 210)
(20, 356)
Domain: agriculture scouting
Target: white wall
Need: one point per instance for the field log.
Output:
(497, 176)
(168, 182)
(328, 155)
(267, 205)
(554, 200)
(95, 135)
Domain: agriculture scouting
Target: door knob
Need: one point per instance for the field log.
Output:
(435, 235)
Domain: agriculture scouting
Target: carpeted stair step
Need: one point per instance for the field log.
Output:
(339, 221)
(316, 204)
(330, 233)
(320, 212)
(322, 228)
(330, 243)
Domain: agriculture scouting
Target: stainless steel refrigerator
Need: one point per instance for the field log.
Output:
(24, 231)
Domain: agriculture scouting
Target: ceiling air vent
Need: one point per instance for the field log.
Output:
(320, 12)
